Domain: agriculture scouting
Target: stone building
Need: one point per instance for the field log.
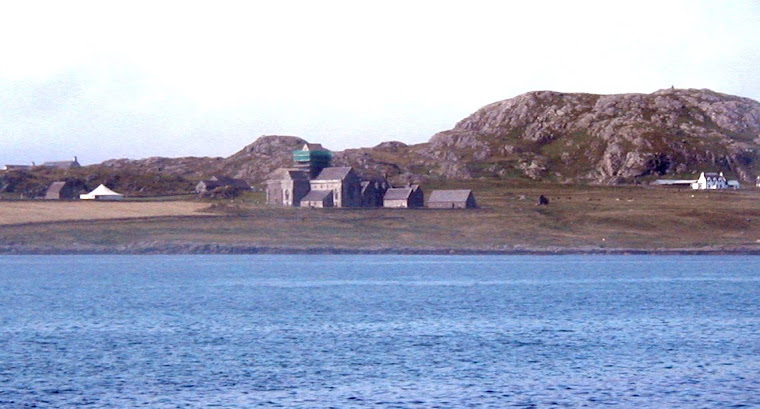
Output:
(343, 182)
(69, 189)
(221, 181)
(404, 197)
(312, 173)
(372, 192)
(286, 187)
(66, 164)
(318, 199)
(451, 199)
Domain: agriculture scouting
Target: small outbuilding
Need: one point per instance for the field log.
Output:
(404, 197)
(68, 189)
(318, 198)
(65, 164)
(221, 181)
(451, 199)
(102, 193)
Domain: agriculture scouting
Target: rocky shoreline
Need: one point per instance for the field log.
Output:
(217, 248)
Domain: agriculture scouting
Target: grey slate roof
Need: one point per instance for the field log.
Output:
(55, 187)
(12, 167)
(228, 181)
(334, 173)
(317, 195)
(62, 164)
(398, 193)
(286, 173)
(449, 195)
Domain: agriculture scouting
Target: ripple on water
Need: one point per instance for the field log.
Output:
(379, 331)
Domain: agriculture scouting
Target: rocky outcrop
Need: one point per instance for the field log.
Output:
(602, 138)
(257, 160)
(251, 163)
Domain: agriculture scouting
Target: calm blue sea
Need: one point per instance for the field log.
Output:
(379, 331)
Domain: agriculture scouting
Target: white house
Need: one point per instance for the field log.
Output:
(712, 180)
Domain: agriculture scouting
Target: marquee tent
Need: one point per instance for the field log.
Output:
(102, 193)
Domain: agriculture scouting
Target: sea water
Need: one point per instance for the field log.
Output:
(379, 331)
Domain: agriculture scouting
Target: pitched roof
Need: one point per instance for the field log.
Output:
(334, 173)
(313, 147)
(398, 193)
(62, 164)
(449, 195)
(55, 187)
(288, 173)
(101, 190)
(674, 181)
(210, 182)
(317, 195)
(58, 184)
(104, 190)
(228, 181)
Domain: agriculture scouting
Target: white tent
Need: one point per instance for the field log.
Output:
(102, 193)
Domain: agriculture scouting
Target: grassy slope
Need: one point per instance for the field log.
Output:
(577, 217)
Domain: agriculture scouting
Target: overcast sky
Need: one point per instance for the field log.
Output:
(116, 79)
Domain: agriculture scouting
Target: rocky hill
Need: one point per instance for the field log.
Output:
(253, 163)
(624, 138)
(544, 135)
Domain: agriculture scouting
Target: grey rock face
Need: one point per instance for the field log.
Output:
(609, 138)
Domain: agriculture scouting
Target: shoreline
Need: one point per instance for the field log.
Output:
(216, 248)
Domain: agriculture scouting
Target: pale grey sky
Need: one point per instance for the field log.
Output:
(115, 79)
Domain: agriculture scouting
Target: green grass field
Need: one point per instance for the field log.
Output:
(577, 217)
